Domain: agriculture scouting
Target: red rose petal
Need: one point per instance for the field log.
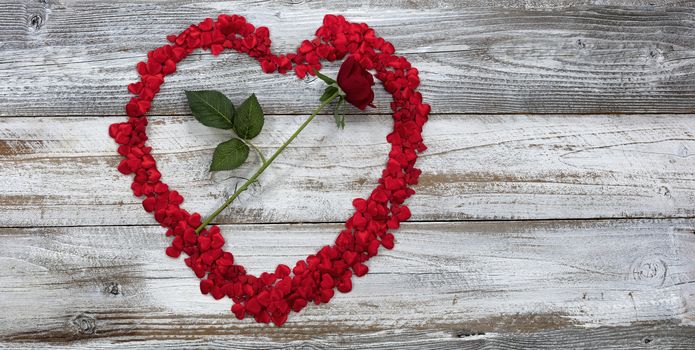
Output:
(205, 286)
(360, 269)
(239, 311)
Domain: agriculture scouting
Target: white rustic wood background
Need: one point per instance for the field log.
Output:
(556, 207)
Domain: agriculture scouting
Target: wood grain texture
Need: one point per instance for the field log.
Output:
(76, 57)
(458, 285)
(645, 335)
(549, 116)
(62, 171)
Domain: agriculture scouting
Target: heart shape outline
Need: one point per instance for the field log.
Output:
(272, 295)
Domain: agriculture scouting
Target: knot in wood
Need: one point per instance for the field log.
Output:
(113, 288)
(84, 324)
(650, 269)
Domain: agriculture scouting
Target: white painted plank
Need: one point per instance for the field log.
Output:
(62, 171)
(76, 57)
(441, 283)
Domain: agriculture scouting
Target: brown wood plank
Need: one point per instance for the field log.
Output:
(647, 335)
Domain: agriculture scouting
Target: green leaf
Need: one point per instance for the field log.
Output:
(249, 119)
(211, 108)
(229, 155)
(338, 113)
(330, 91)
(326, 79)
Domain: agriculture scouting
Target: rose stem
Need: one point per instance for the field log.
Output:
(258, 151)
(265, 165)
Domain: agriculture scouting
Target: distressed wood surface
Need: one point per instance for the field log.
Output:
(556, 207)
(502, 283)
(477, 167)
(76, 57)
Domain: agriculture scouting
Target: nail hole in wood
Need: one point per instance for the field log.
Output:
(463, 333)
(36, 22)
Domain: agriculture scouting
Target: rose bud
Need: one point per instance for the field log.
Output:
(357, 83)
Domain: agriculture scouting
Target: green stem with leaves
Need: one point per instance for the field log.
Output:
(266, 163)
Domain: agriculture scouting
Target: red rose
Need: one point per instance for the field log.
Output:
(357, 83)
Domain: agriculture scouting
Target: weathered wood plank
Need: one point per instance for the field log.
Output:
(76, 57)
(62, 171)
(514, 283)
(471, 285)
(648, 335)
